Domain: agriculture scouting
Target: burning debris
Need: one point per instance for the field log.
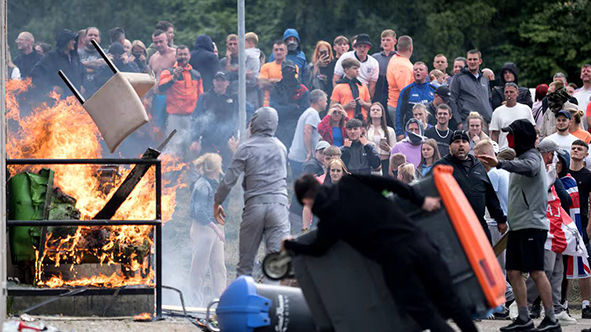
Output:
(77, 191)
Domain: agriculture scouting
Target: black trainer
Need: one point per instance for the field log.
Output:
(503, 314)
(549, 326)
(586, 313)
(535, 311)
(519, 325)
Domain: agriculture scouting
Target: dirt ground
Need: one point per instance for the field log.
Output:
(90, 324)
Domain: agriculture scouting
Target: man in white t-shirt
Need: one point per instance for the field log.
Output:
(306, 133)
(369, 71)
(562, 137)
(584, 93)
(504, 115)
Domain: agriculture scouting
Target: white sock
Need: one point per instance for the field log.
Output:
(585, 303)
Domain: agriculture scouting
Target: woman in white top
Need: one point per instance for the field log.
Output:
(379, 133)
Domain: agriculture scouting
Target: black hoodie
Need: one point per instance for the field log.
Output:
(44, 73)
(498, 93)
(204, 60)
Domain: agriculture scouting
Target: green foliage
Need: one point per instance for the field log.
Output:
(540, 38)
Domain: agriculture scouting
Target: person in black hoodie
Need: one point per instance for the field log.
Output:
(65, 58)
(473, 179)
(383, 233)
(216, 118)
(509, 74)
(204, 60)
(290, 98)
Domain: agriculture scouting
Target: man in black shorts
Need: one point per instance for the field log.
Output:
(528, 224)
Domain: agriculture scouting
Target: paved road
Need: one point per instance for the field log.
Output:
(494, 325)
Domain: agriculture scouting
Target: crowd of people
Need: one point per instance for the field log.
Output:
(520, 157)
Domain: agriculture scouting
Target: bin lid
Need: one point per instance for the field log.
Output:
(241, 309)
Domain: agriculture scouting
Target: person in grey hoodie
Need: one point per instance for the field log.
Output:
(470, 90)
(263, 160)
(529, 226)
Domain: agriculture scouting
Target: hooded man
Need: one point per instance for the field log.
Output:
(64, 58)
(509, 74)
(528, 201)
(410, 146)
(204, 60)
(290, 98)
(263, 160)
(294, 49)
(474, 181)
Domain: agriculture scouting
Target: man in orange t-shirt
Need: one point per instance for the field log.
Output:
(350, 93)
(271, 71)
(399, 73)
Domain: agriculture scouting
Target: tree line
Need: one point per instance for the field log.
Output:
(541, 38)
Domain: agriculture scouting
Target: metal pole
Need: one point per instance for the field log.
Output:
(241, 73)
(158, 248)
(3, 254)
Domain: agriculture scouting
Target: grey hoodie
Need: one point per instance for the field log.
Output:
(263, 159)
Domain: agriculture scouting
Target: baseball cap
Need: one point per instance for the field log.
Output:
(547, 145)
(321, 145)
(443, 92)
(220, 74)
(565, 113)
(459, 134)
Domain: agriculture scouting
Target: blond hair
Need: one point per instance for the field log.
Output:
(406, 172)
(388, 33)
(208, 163)
(251, 37)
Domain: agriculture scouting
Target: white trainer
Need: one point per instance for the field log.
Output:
(565, 319)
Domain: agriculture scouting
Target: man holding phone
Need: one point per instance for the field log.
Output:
(359, 156)
(369, 70)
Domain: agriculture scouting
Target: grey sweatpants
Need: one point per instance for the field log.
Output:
(268, 222)
(553, 268)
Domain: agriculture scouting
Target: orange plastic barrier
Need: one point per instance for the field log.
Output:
(473, 239)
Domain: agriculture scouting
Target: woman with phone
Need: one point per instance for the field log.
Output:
(318, 74)
(332, 126)
(383, 136)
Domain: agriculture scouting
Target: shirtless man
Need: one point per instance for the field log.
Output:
(165, 57)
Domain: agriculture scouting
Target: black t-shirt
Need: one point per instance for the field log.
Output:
(442, 138)
(583, 177)
(26, 62)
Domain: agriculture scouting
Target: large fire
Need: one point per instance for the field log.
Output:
(65, 130)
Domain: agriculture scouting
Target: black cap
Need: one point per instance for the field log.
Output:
(363, 38)
(443, 92)
(459, 134)
(220, 75)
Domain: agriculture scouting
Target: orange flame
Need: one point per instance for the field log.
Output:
(65, 130)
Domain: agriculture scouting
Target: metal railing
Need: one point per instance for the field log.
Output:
(156, 223)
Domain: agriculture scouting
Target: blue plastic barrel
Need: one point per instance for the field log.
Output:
(246, 306)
